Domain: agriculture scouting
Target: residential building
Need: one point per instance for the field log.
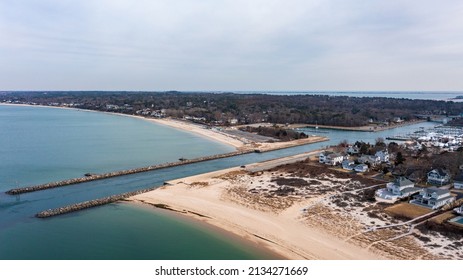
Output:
(401, 187)
(330, 158)
(459, 210)
(348, 164)
(371, 159)
(433, 198)
(438, 177)
(353, 150)
(361, 168)
(383, 155)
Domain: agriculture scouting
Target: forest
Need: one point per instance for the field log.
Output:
(227, 108)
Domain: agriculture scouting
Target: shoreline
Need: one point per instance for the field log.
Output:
(365, 128)
(215, 230)
(204, 198)
(239, 144)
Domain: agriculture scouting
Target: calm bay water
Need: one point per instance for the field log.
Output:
(43, 144)
(39, 145)
(427, 95)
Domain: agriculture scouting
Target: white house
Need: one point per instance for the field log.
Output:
(361, 168)
(438, 176)
(433, 198)
(382, 155)
(459, 210)
(330, 158)
(458, 181)
(401, 187)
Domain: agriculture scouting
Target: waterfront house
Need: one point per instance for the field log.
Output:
(458, 181)
(433, 198)
(401, 187)
(438, 176)
(330, 158)
(361, 168)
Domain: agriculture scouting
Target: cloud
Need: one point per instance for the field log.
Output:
(222, 45)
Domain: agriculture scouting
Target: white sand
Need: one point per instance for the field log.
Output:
(284, 232)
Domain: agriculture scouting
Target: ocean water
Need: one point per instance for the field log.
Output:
(117, 231)
(426, 95)
(39, 145)
(120, 231)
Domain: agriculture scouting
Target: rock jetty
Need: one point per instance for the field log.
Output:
(94, 177)
(182, 161)
(88, 204)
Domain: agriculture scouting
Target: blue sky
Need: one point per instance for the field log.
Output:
(231, 45)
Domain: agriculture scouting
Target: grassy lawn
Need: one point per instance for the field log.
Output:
(407, 210)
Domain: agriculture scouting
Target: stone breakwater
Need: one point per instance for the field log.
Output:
(94, 177)
(89, 204)
(120, 173)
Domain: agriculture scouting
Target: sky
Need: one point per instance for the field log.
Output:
(221, 45)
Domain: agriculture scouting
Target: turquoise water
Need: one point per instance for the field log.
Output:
(42, 144)
(460, 221)
(117, 231)
(39, 145)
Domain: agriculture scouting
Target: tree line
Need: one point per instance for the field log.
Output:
(226, 108)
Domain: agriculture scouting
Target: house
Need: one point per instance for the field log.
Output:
(433, 198)
(348, 164)
(353, 150)
(459, 210)
(401, 187)
(382, 155)
(371, 159)
(330, 158)
(438, 176)
(233, 121)
(458, 181)
(361, 168)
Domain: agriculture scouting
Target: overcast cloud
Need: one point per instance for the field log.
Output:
(231, 45)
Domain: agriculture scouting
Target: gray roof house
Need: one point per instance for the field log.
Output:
(401, 187)
(433, 198)
(438, 177)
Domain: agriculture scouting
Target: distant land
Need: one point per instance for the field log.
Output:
(243, 109)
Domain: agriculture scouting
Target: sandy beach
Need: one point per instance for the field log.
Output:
(197, 129)
(217, 200)
(239, 143)
(301, 209)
